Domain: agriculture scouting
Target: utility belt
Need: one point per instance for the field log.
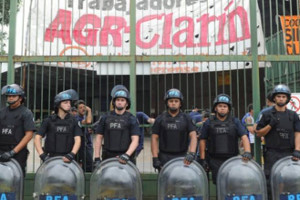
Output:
(108, 154)
(56, 154)
(287, 150)
(172, 153)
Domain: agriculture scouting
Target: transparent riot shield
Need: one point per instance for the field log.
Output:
(56, 179)
(285, 179)
(240, 180)
(112, 180)
(11, 180)
(179, 182)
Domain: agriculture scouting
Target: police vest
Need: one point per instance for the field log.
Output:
(281, 136)
(117, 136)
(223, 138)
(60, 137)
(11, 126)
(174, 137)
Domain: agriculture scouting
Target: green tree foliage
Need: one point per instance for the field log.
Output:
(4, 20)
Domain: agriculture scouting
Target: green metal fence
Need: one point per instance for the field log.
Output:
(202, 47)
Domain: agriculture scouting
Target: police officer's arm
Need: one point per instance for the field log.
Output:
(297, 141)
(246, 143)
(39, 135)
(154, 145)
(192, 134)
(263, 131)
(203, 138)
(38, 143)
(202, 148)
(98, 143)
(155, 137)
(193, 142)
(135, 132)
(297, 132)
(76, 145)
(28, 136)
(99, 136)
(133, 145)
(262, 128)
(243, 134)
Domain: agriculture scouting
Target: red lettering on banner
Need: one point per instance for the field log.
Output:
(91, 38)
(166, 40)
(240, 13)
(189, 41)
(109, 23)
(153, 42)
(115, 27)
(62, 20)
(205, 20)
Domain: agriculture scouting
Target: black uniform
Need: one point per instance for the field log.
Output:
(222, 141)
(117, 131)
(280, 141)
(60, 134)
(14, 123)
(173, 135)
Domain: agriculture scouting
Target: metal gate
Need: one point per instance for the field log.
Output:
(239, 47)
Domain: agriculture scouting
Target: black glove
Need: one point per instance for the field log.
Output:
(204, 164)
(97, 162)
(6, 156)
(44, 157)
(190, 156)
(296, 155)
(124, 157)
(70, 156)
(156, 163)
(247, 155)
(273, 121)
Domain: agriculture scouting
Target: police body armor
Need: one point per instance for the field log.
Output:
(282, 135)
(117, 135)
(174, 135)
(223, 140)
(11, 125)
(60, 138)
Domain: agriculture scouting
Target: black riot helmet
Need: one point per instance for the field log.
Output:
(281, 89)
(173, 94)
(117, 87)
(13, 89)
(121, 93)
(64, 96)
(222, 98)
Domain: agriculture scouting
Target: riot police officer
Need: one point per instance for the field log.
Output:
(173, 133)
(220, 134)
(17, 126)
(63, 134)
(119, 129)
(281, 129)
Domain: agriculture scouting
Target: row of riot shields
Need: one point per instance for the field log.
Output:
(237, 180)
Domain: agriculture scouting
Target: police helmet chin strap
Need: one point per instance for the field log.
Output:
(119, 108)
(222, 115)
(65, 111)
(173, 110)
(13, 102)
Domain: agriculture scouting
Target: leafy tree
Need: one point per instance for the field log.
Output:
(4, 20)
